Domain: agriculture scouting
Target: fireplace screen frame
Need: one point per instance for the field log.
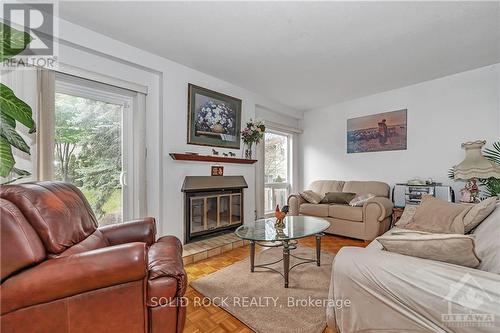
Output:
(209, 228)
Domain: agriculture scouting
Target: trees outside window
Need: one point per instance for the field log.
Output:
(88, 152)
(276, 170)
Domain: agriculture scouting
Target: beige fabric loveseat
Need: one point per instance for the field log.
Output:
(366, 222)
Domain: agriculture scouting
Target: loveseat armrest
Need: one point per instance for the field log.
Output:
(141, 230)
(165, 261)
(379, 208)
(62, 277)
(294, 202)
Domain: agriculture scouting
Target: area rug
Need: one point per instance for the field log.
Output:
(260, 300)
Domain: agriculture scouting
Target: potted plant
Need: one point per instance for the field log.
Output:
(12, 109)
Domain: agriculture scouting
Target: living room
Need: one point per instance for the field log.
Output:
(288, 166)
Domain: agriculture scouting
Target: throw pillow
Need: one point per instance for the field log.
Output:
(311, 197)
(438, 216)
(360, 200)
(338, 197)
(407, 215)
(478, 213)
(451, 248)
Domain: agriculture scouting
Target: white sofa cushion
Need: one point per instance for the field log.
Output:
(451, 248)
(478, 213)
(487, 236)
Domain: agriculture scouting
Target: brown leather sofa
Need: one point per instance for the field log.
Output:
(62, 273)
(366, 222)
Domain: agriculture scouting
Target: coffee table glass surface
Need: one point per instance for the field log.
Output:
(295, 227)
(264, 233)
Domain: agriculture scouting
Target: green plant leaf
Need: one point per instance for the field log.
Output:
(13, 41)
(20, 172)
(493, 154)
(16, 108)
(9, 133)
(6, 158)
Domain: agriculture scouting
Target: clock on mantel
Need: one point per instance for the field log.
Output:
(209, 158)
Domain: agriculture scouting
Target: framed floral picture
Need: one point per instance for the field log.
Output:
(214, 119)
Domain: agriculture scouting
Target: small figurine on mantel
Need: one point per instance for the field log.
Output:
(215, 152)
(232, 154)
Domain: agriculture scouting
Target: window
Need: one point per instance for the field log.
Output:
(94, 144)
(277, 173)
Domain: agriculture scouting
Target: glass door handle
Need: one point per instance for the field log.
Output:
(123, 178)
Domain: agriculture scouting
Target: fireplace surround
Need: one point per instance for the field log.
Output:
(213, 204)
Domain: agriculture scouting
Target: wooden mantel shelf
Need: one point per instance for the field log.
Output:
(210, 158)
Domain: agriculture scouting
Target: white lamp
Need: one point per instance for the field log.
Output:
(474, 166)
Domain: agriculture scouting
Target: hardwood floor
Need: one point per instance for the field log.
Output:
(212, 319)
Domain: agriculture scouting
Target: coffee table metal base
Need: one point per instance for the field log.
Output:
(288, 246)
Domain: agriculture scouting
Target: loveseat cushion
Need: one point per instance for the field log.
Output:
(324, 186)
(346, 212)
(320, 210)
(380, 189)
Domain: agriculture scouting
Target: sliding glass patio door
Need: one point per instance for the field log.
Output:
(94, 144)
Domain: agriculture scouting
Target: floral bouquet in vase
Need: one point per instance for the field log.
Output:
(252, 134)
(216, 118)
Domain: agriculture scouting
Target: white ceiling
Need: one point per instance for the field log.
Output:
(306, 54)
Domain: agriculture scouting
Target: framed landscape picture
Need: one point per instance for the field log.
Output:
(378, 132)
(214, 119)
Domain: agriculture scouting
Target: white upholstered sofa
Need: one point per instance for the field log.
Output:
(390, 292)
(366, 222)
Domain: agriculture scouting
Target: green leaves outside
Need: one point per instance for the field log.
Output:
(12, 109)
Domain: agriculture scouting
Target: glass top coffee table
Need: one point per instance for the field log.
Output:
(265, 233)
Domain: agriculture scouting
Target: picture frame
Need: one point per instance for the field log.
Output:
(214, 119)
(378, 132)
(217, 170)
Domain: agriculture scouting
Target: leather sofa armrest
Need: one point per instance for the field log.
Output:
(294, 202)
(75, 274)
(165, 261)
(383, 204)
(142, 230)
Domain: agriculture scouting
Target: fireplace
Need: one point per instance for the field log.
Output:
(213, 204)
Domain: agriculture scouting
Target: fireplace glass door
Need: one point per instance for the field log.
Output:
(235, 208)
(214, 210)
(197, 214)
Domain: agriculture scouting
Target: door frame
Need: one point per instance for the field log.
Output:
(133, 146)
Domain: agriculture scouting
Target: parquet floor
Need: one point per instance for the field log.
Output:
(212, 319)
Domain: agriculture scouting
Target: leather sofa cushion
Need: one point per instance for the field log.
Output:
(57, 211)
(324, 186)
(346, 212)
(20, 245)
(380, 189)
(165, 260)
(320, 210)
(92, 242)
(63, 277)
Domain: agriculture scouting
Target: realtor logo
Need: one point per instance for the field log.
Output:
(467, 293)
(37, 20)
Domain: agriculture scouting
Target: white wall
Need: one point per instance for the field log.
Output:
(166, 115)
(442, 114)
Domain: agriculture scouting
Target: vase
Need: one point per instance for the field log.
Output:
(248, 151)
(217, 128)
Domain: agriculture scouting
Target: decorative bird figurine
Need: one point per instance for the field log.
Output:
(280, 216)
(215, 152)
